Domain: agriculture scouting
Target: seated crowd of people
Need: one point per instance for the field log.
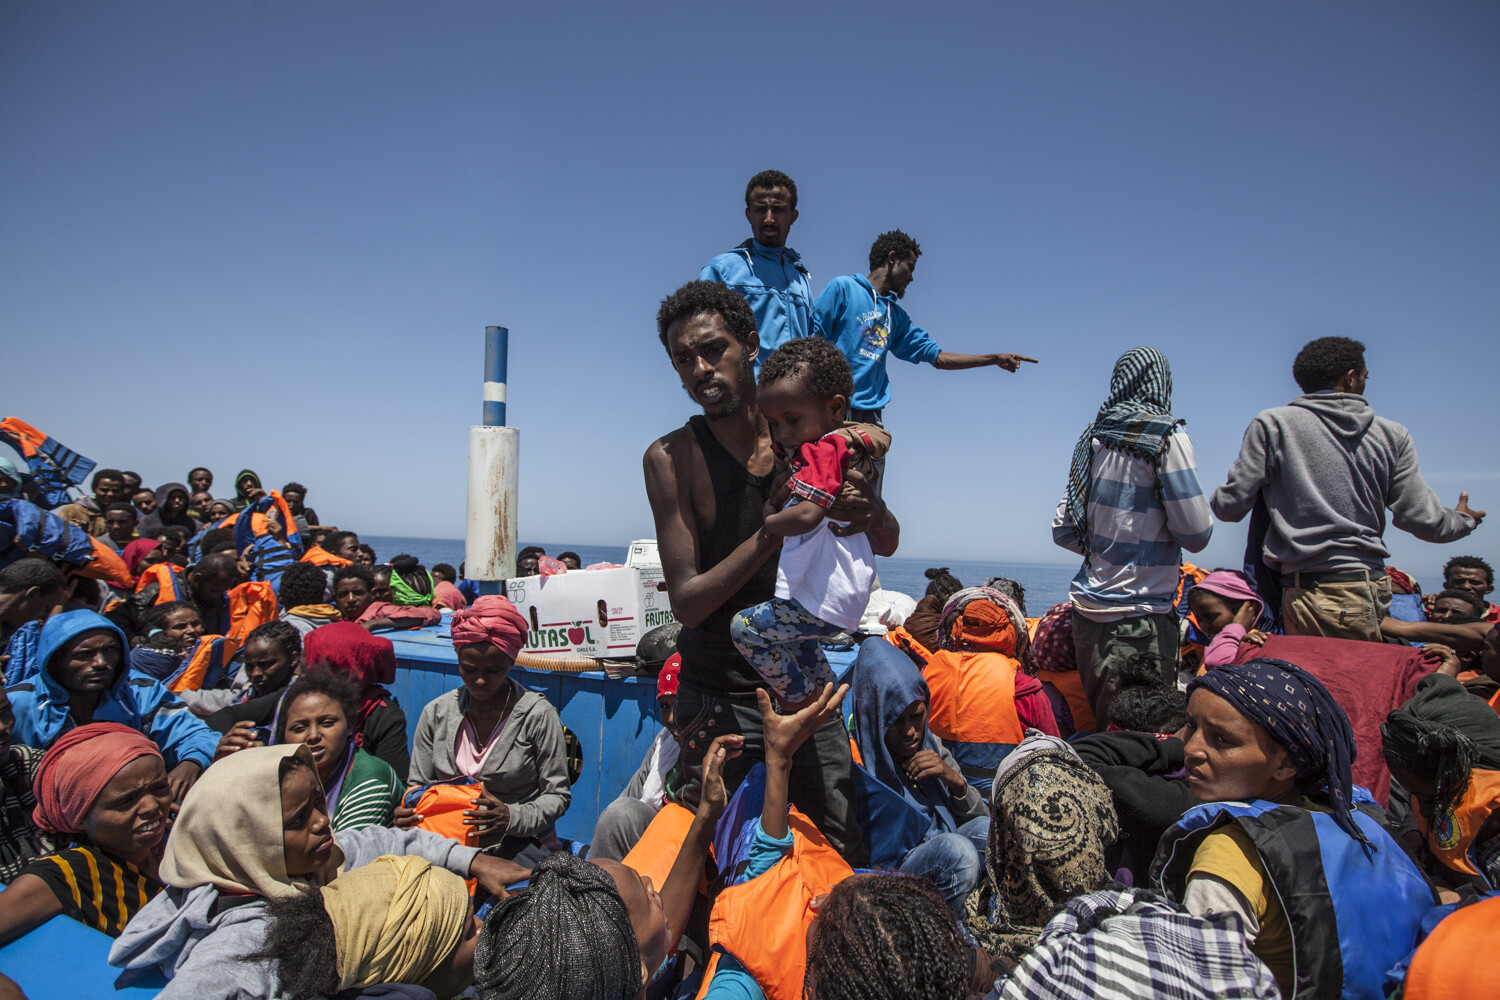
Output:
(1175, 784)
(151, 731)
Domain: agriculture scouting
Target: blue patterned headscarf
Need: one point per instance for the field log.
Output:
(1136, 418)
(1301, 716)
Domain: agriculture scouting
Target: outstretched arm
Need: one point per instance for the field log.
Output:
(948, 361)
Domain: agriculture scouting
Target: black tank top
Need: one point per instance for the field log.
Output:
(710, 663)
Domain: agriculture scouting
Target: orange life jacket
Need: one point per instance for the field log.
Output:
(169, 580)
(1070, 686)
(907, 643)
(441, 807)
(1451, 835)
(251, 605)
(442, 810)
(106, 565)
(1459, 960)
(319, 556)
(656, 852)
(1495, 701)
(28, 438)
(973, 697)
(763, 922)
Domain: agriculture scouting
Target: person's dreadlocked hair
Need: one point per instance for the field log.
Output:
(697, 298)
(894, 240)
(1469, 562)
(819, 368)
(302, 583)
(567, 936)
(1322, 362)
(887, 937)
(1430, 748)
(302, 947)
(943, 584)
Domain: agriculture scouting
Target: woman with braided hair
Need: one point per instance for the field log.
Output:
(1443, 746)
(1284, 839)
(597, 930)
(890, 937)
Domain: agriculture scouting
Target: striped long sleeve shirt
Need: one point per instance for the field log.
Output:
(1140, 519)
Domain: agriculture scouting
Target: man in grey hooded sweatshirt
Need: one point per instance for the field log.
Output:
(1328, 468)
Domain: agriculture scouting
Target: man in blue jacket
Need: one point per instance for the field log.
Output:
(763, 269)
(859, 314)
(83, 677)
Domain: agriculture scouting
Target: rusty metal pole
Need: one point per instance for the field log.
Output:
(494, 465)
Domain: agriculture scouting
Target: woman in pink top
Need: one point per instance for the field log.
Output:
(494, 730)
(1228, 611)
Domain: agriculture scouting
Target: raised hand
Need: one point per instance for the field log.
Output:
(1464, 508)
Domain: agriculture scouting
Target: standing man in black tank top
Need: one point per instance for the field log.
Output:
(710, 486)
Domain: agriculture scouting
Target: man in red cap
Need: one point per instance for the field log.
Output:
(625, 819)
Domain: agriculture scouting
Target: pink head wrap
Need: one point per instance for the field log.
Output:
(136, 551)
(348, 650)
(491, 618)
(75, 769)
(1231, 584)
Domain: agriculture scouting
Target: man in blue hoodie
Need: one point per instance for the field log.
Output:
(1328, 469)
(767, 272)
(83, 677)
(859, 314)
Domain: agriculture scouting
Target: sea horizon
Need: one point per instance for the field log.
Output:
(1045, 584)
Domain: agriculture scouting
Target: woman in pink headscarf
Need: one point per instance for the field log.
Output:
(103, 786)
(1228, 611)
(500, 734)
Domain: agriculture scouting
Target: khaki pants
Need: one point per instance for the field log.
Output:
(1345, 610)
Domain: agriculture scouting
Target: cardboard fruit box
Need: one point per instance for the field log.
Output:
(600, 613)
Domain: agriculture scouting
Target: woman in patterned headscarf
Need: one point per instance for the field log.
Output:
(1051, 818)
(1284, 839)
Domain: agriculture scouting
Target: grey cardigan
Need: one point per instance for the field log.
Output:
(527, 768)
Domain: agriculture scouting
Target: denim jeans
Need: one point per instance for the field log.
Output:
(953, 862)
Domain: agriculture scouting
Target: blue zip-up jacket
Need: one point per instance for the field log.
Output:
(866, 328)
(41, 703)
(774, 283)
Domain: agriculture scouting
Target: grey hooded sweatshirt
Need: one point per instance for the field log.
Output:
(1329, 469)
(205, 944)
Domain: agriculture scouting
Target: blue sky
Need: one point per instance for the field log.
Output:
(271, 234)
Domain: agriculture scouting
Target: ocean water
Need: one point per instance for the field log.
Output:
(1046, 584)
